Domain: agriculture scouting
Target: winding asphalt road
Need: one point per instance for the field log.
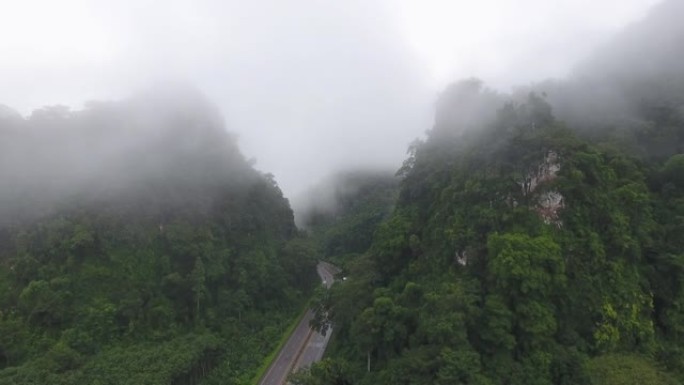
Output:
(305, 346)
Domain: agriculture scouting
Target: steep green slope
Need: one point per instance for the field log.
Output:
(139, 247)
(518, 251)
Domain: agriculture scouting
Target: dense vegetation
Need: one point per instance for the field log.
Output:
(529, 239)
(523, 249)
(522, 254)
(137, 246)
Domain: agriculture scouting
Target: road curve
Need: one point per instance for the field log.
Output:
(297, 351)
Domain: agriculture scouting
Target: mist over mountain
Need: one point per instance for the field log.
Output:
(137, 245)
(530, 236)
(340, 192)
(634, 82)
(160, 146)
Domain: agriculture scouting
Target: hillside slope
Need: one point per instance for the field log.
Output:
(138, 246)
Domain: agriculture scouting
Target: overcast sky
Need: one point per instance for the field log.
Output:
(310, 87)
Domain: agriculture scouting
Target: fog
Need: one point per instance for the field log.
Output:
(335, 193)
(313, 88)
(167, 146)
(637, 69)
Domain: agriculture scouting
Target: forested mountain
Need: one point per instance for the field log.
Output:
(137, 246)
(528, 249)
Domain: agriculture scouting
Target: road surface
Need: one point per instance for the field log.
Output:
(313, 351)
(315, 346)
(304, 346)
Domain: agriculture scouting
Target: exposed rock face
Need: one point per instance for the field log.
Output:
(461, 258)
(548, 202)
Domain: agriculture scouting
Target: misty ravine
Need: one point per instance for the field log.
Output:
(533, 235)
